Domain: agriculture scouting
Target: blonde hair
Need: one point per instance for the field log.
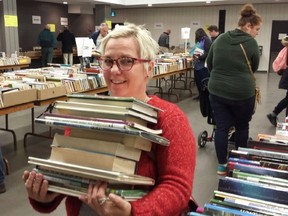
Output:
(148, 47)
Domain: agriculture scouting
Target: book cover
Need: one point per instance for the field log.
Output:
(90, 173)
(260, 178)
(250, 156)
(100, 121)
(274, 165)
(254, 190)
(278, 146)
(261, 170)
(92, 159)
(129, 141)
(265, 153)
(216, 210)
(248, 201)
(141, 134)
(103, 111)
(239, 206)
(98, 146)
(128, 102)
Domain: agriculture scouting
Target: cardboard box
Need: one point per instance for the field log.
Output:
(48, 93)
(19, 97)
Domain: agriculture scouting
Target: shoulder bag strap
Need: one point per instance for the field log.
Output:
(248, 62)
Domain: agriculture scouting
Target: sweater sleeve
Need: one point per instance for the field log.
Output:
(46, 207)
(174, 166)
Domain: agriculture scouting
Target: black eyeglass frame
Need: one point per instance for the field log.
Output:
(102, 58)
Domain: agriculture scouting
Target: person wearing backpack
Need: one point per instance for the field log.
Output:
(280, 67)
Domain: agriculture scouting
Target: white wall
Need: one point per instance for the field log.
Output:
(177, 18)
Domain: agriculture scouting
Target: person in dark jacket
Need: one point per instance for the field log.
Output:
(213, 32)
(163, 41)
(47, 41)
(68, 42)
(97, 36)
(283, 84)
(200, 71)
(231, 84)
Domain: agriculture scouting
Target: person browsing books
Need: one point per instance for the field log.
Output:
(231, 84)
(128, 54)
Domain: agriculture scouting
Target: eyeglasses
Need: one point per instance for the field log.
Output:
(123, 63)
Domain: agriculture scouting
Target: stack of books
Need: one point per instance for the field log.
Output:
(103, 138)
(257, 184)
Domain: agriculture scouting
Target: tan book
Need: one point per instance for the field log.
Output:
(88, 173)
(129, 141)
(92, 160)
(128, 102)
(99, 146)
(102, 111)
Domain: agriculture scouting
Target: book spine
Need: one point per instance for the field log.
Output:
(146, 135)
(212, 209)
(254, 190)
(261, 171)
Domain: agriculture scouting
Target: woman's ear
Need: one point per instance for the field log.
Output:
(150, 69)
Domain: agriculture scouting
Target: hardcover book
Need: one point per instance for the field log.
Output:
(103, 111)
(100, 121)
(254, 190)
(248, 202)
(138, 133)
(128, 102)
(262, 170)
(98, 146)
(89, 173)
(129, 141)
(92, 159)
(278, 146)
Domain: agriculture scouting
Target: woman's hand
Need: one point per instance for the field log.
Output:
(37, 187)
(103, 205)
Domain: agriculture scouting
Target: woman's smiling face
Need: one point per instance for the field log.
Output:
(130, 83)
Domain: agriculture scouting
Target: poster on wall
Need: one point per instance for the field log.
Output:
(10, 21)
(64, 21)
(36, 19)
(52, 27)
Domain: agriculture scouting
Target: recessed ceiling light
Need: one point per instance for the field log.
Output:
(65, 2)
(208, 2)
(149, 5)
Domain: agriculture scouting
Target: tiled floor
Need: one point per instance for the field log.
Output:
(14, 202)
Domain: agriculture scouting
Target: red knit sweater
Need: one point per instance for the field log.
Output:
(173, 169)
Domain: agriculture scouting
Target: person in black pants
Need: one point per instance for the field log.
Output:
(283, 84)
(68, 41)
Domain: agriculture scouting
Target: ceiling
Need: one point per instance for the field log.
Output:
(160, 3)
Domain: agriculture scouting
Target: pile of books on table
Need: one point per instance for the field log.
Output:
(257, 183)
(103, 138)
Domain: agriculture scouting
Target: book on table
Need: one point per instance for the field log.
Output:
(269, 145)
(128, 102)
(265, 153)
(98, 146)
(254, 190)
(269, 208)
(90, 126)
(103, 111)
(260, 178)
